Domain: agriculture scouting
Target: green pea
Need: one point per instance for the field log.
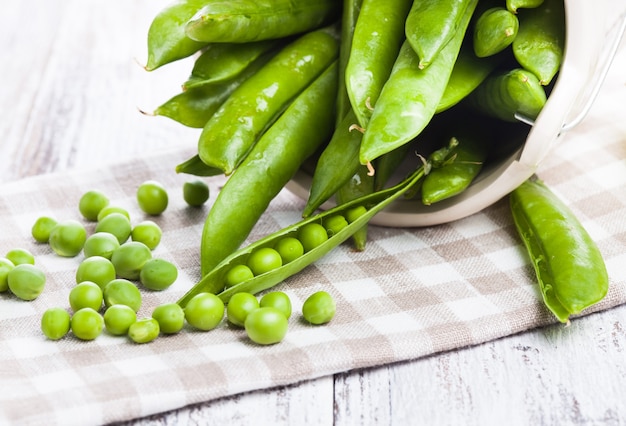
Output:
(26, 281)
(112, 209)
(101, 244)
(264, 260)
(312, 235)
(152, 197)
(354, 213)
(147, 232)
(195, 193)
(129, 258)
(144, 330)
(239, 306)
(96, 269)
(289, 248)
(19, 256)
(266, 326)
(5, 267)
(170, 316)
(116, 224)
(118, 318)
(277, 299)
(67, 238)
(42, 227)
(158, 274)
(334, 224)
(91, 203)
(86, 294)
(55, 323)
(319, 308)
(238, 274)
(204, 311)
(87, 324)
(122, 292)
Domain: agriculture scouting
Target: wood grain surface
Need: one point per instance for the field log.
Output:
(72, 87)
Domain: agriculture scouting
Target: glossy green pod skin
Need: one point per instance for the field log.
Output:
(237, 124)
(495, 30)
(431, 24)
(540, 41)
(513, 5)
(239, 21)
(410, 96)
(359, 185)
(506, 94)
(376, 41)
(167, 41)
(349, 16)
(569, 266)
(194, 166)
(304, 126)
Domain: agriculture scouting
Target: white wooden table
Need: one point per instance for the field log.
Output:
(69, 97)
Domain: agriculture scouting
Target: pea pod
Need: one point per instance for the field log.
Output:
(214, 280)
(359, 185)
(431, 24)
(349, 16)
(295, 135)
(540, 41)
(240, 21)
(495, 30)
(410, 96)
(167, 41)
(195, 166)
(237, 124)
(569, 266)
(513, 5)
(377, 38)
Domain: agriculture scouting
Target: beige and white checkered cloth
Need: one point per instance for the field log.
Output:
(411, 293)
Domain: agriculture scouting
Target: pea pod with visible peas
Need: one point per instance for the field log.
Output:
(295, 135)
(239, 21)
(569, 266)
(359, 185)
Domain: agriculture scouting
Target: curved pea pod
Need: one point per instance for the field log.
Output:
(569, 266)
(240, 21)
(410, 96)
(495, 30)
(431, 24)
(508, 94)
(224, 61)
(167, 41)
(376, 41)
(238, 123)
(195, 166)
(513, 5)
(296, 134)
(349, 16)
(540, 41)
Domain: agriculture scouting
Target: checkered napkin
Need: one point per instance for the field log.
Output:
(411, 293)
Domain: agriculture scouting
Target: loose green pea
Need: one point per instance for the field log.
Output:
(264, 260)
(158, 274)
(118, 318)
(97, 269)
(5, 266)
(42, 227)
(319, 308)
(266, 326)
(238, 274)
(289, 248)
(354, 213)
(26, 281)
(195, 193)
(129, 258)
(122, 292)
(147, 232)
(91, 203)
(112, 209)
(55, 323)
(144, 330)
(204, 311)
(334, 224)
(67, 238)
(86, 294)
(101, 244)
(170, 316)
(312, 235)
(277, 299)
(116, 224)
(19, 256)
(152, 197)
(87, 324)
(239, 306)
